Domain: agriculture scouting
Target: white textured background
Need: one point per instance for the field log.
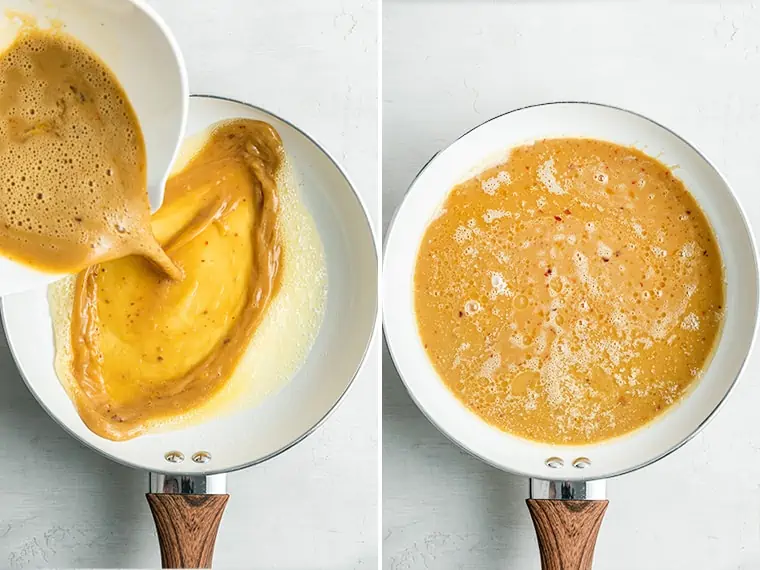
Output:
(314, 507)
(694, 67)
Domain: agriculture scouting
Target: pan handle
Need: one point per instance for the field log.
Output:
(567, 518)
(187, 510)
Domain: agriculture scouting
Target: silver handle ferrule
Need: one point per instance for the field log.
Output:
(176, 484)
(568, 490)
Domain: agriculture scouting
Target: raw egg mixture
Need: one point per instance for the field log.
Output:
(137, 351)
(571, 294)
(73, 182)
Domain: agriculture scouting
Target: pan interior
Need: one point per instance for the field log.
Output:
(489, 144)
(255, 434)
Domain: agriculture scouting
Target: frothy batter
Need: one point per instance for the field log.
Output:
(571, 294)
(72, 158)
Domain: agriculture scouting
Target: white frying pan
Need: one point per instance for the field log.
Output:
(567, 528)
(189, 461)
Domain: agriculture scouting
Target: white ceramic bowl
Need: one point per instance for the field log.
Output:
(139, 48)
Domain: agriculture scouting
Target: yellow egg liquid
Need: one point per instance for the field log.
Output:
(144, 347)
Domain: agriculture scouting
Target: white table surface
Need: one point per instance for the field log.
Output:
(62, 505)
(693, 66)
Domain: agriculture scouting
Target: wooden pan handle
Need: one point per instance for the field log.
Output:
(566, 531)
(187, 527)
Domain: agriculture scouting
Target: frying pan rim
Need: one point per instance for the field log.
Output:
(756, 274)
(332, 408)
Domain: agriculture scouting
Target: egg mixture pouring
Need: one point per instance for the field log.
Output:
(143, 347)
(572, 293)
(72, 157)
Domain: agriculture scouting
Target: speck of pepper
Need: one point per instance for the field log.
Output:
(567, 211)
(226, 341)
(558, 218)
(461, 314)
(160, 358)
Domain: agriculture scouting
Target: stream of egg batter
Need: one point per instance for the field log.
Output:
(143, 348)
(571, 294)
(72, 157)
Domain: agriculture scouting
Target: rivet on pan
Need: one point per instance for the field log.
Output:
(582, 463)
(174, 457)
(202, 457)
(554, 462)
